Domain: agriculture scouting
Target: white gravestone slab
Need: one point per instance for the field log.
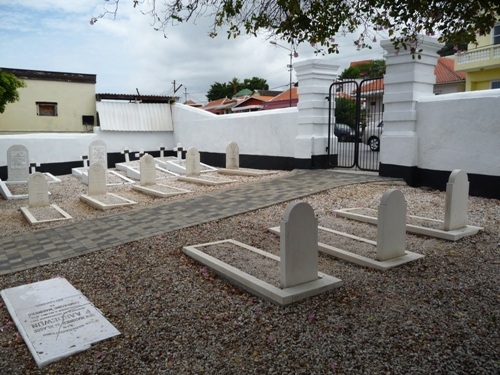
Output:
(298, 245)
(391, 227)
(232, 156)
(17, 163)
(97, 179)
(457, 199)
(38, 190)
(55, 319)
(98, 153)
(148, 170)
(193, 167)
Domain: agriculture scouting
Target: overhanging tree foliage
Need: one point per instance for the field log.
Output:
(9, 84)
(319, 22)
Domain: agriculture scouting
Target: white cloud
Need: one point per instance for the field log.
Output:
(127, 53)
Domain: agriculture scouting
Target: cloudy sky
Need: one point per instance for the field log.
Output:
(128, 54)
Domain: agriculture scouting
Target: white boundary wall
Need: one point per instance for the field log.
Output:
(460, 131)
(436, 132)
(270, 132)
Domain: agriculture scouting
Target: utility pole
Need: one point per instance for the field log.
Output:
(185, 94)
(176, 89)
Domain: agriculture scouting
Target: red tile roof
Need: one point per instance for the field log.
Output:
(445, 71)
(285, 95)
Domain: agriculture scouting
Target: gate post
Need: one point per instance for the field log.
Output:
(315, 77)
(408, 78)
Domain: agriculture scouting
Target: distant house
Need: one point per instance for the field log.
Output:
(193, 104)
(448, 80)
(481, 62)
(288, 98)
(220, 106)
(51, 102)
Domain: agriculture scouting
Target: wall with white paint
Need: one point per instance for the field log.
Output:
(270, 133)
(460, 131)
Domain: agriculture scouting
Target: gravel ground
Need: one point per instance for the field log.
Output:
(439, 314)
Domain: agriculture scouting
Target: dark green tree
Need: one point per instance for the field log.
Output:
(372, 69)
(318, 22)
(255, 83)
(228, 90)
(9, 84)
(218, 91)
(345, 111)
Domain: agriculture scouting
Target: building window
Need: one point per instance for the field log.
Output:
(46, 109)
(495, 84)
(496, 34)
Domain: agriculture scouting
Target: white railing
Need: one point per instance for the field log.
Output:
(477, 55)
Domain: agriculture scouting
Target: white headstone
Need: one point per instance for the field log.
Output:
(55, 319)
(298, 245)
(391, 229)
(98, 153)
(38, 190)
(457, 199)
(232, 156)
(17, 163)
(148, 170)
(193, 167)
(97, 179)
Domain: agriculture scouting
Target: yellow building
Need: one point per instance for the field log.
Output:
(51, 102)
(481, 62)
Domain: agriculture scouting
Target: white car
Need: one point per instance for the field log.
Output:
(371, 136)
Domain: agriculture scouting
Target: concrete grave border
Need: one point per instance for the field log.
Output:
(155, 190)
(359, 259)
(93, 201)
(33, 220)
(452, 235)
(134, 173)
(256, 286)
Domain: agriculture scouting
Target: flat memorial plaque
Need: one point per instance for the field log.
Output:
(55, 319)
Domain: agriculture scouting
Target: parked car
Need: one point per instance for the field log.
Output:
(344, 133)
(371, 136)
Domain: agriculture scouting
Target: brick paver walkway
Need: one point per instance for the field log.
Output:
(45, 246)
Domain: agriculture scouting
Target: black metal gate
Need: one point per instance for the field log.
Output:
(355, 117)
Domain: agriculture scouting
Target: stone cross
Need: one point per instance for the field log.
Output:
(298, 245)
(17, 163)
(457, 199)
(179, 150)
(148, 170)
(38, 190)
(85, 159)
(193, 167)
(33, 167)
(126, 152)
(98, 153)
(232, 156)
(391, 227)
(97, 179)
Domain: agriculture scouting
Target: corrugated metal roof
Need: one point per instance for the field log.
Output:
(116, 116)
